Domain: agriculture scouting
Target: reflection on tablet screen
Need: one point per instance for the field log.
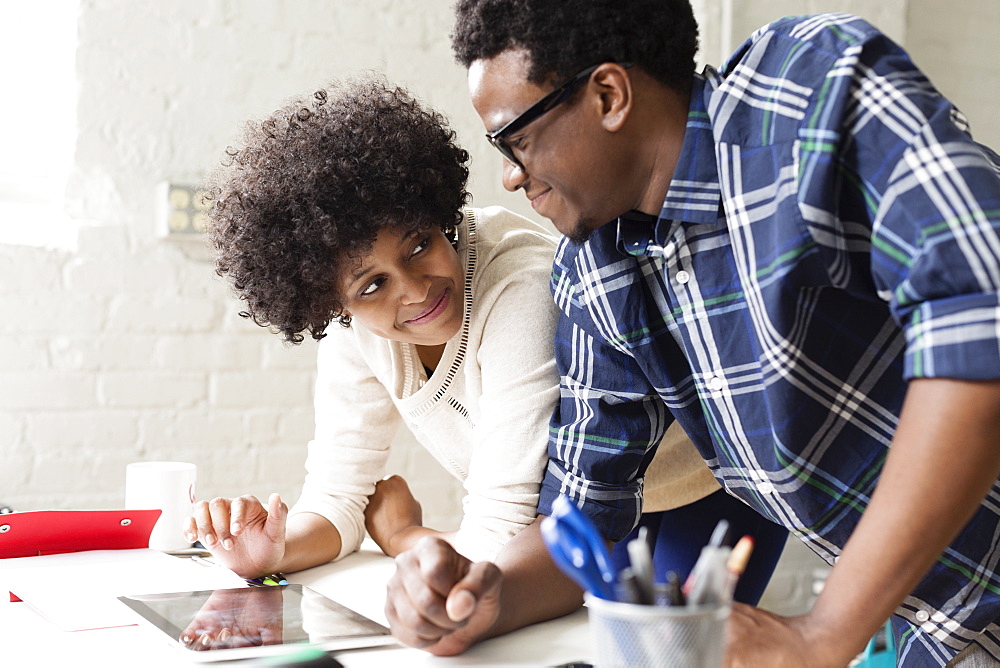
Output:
(256, 617)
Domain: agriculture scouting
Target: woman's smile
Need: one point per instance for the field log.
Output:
(408, 288)
(436, 308)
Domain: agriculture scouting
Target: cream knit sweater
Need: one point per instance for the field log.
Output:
(484, 412)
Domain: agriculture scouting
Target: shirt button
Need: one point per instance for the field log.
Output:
(765, 488)
(682, 276)
(939, 617)
(715, 384)
(921, 616)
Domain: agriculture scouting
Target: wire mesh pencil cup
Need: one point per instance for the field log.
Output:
(625, 635)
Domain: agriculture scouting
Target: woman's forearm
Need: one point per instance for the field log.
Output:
(405, 539)
(310, 540)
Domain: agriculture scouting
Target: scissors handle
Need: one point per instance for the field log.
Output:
(565, 511)
(574, 558)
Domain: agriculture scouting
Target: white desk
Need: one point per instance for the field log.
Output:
(358, 581)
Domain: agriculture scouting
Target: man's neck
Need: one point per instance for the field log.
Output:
(664, 123)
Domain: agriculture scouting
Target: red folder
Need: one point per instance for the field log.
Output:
(35, 533)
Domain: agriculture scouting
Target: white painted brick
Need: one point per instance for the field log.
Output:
(198, 279)
(48, 312)
(27, 270)
(262, 426)
(282, 466)
(297, 424)
(226, 474)
(278, 355)
(191, 430)
(100, 430)
(61, 472)
(50, 389)
(92, 352)
(22, 353)
(163, 314)
(274, 388)
(205, 352)
(11, 430)
(99, 240)
(146, 276)
(129, 389)
(15, 469)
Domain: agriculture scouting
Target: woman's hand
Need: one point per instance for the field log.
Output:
(231, 618)
(241, 534)
(393, 517)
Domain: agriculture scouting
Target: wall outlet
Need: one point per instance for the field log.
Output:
(183, 211)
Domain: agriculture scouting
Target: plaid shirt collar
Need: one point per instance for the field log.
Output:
(694, 195)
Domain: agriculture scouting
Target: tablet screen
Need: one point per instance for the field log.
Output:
(256, 621)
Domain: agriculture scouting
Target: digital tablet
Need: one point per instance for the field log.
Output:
(226, 624)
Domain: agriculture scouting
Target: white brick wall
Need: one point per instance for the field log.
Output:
(128, 348)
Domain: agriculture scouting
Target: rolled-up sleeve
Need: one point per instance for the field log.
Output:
(603, 432)
(936, 246)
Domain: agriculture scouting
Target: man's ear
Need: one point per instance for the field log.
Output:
(615, 87)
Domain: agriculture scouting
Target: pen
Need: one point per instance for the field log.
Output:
(674, 594)
(204, 561)
(719, 534)
(707, 580)
(642, 566)
(627, 589)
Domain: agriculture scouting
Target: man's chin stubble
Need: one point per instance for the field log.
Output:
(581, 231)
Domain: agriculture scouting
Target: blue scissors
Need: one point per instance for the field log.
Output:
(578, 549)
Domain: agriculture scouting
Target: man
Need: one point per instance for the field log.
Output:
(798, 258)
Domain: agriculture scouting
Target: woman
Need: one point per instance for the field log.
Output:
(349, 207)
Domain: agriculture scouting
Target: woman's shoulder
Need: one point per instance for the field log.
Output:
(495, 225)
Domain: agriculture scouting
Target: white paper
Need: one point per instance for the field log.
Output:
(79, 591)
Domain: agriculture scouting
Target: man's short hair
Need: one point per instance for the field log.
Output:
(563, 37)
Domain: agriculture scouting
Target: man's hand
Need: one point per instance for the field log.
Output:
(241, 534)
(758, 638)
(393, 516)
(440, 601)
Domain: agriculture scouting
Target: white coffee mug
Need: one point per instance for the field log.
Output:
(168, 486)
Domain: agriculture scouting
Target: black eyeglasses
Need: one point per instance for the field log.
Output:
(532, 113)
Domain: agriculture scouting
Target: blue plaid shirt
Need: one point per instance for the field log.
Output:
(830, 232)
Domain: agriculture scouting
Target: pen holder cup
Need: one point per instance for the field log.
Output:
(625, 635)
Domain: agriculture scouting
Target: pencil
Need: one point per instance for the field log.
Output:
(736, 564)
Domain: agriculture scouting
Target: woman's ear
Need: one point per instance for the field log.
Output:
(615, 87)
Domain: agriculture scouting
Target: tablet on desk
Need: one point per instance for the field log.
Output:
(225, 624)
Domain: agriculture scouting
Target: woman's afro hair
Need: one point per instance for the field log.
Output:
(301, 200)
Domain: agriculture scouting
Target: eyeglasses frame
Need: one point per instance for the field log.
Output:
(548, 102)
